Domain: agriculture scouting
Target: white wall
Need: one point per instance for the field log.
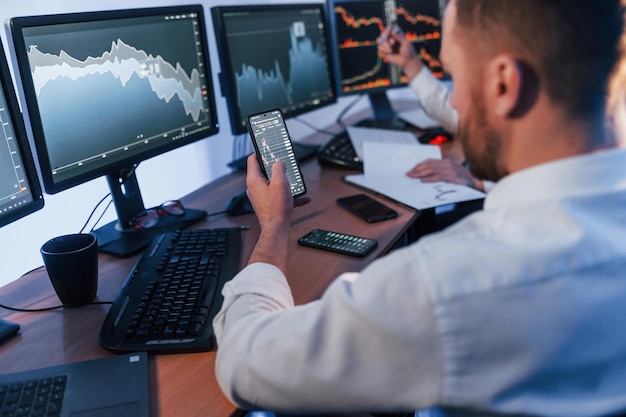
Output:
(188, 168)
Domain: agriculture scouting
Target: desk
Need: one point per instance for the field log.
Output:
(184, 384)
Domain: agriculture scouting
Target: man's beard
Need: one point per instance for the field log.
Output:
(481, 144)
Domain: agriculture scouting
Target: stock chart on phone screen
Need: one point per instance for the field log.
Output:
(274, 145)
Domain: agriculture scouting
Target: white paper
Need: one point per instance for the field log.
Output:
(384, 171)
(414, 193)
(383, 160)
(360, 135)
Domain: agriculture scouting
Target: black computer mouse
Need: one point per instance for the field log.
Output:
(240, 204)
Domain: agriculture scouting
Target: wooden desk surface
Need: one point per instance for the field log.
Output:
(184, 384)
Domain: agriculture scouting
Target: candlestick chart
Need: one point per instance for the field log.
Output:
(358, 24)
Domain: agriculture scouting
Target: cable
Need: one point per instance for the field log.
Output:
(94, 211)
(32, 270)
(101, 215)
(304, 122)
(127, 175)
(347, 108)
(39, 310)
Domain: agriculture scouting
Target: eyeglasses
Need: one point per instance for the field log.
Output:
(150, 217)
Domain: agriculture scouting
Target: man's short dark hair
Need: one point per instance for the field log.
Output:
(573, 45)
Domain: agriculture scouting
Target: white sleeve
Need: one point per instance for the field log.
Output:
(279, 357)
(434, 96)
(488, 185)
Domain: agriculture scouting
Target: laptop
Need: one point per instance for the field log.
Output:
(115, 386)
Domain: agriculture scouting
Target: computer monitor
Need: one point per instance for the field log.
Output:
(273, 56)
(20, 191)
(355, 27)
(107, 90)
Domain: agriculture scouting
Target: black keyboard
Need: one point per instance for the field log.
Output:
(339, 152)
(37, 397)
(171, 296)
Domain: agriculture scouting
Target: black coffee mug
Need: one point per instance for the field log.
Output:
(72, 264)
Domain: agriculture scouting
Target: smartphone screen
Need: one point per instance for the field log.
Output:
(367, 208)
(272, 143)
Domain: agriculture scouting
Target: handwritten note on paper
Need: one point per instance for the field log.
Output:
(385, 167)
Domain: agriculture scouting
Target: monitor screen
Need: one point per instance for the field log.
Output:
(107, 90)
(20, 192)
(355, 27)
(273, 56)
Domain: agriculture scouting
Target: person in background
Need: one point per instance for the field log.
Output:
(434, 97)
(515, 310)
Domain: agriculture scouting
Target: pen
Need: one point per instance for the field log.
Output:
(395, 28)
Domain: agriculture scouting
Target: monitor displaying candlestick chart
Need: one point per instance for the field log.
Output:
(273, 56)
(107, 90)
(356, 26)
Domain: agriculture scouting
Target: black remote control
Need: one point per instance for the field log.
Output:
(338, 242)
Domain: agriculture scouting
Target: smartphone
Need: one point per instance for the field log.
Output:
(338, 242)
(367, 208)
(272, 143)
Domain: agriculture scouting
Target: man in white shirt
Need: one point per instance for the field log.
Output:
(517, 309)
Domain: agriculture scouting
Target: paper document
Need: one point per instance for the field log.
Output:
(384, 160)
(384, 172)
(360, 135)
(418, 118)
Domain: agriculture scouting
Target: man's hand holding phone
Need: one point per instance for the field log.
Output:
(272, 200)
(273, 205)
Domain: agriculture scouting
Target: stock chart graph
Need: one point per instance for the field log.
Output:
(359, 24)
(119, 75)
(304, 71)
(12, 176)
(278, 58)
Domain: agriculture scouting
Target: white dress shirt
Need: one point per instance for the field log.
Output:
(518, 308)
(434, 97)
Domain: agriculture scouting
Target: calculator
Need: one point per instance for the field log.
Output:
(338, 242)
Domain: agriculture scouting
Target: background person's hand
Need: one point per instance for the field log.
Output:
(433, 170)
(395, 48)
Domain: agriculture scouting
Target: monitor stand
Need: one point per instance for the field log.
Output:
(384, 117)
(124, 241)
(381, 106)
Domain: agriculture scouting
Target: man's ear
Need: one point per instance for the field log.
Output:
(504, 77)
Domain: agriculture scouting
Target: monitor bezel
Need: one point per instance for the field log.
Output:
(18, 24)
(19, 132)
(226, 74)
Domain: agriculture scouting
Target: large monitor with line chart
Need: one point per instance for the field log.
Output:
(106, 90)
(273, 56)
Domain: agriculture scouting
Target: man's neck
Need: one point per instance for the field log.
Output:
(547, 135)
